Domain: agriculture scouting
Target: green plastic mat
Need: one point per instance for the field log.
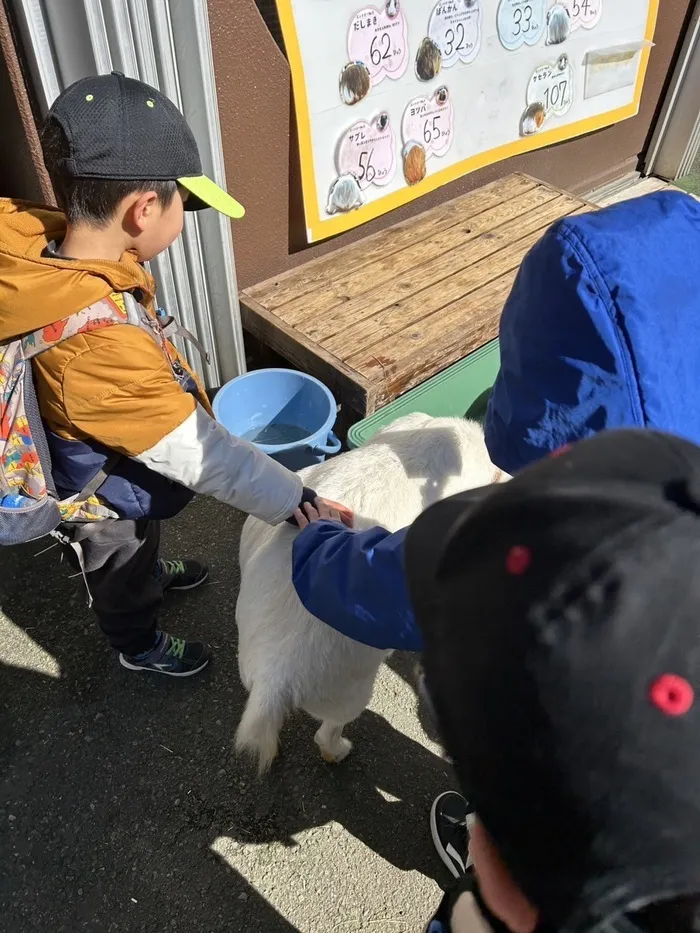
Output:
(461, 391)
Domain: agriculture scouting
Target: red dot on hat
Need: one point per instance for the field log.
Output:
(518, 560)
(672, 694)
(560, 451)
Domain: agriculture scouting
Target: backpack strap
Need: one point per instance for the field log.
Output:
(161, 328)
(102, 313)
(38, 433)
(171, 328)
(118, 308)
(91, 488)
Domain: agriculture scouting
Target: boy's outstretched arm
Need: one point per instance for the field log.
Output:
(143, 413)
(203, 456)
(354, 580)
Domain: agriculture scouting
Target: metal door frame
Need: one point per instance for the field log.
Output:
(676, 140)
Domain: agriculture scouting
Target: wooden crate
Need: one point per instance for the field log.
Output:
(377, 317)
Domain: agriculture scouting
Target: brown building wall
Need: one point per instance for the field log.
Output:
(21, 166)
(257, 124)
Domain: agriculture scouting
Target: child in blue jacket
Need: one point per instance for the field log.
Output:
(557, 619)
(600, 332)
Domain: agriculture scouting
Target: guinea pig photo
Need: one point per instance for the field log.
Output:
(414, 167)
(533, 119)
(344, 195)
(355, 82)
(428, 60)
(558, 24)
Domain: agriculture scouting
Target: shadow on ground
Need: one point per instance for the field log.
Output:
(114, 786)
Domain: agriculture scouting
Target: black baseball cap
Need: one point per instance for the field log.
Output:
(561, 623)
(121, 128)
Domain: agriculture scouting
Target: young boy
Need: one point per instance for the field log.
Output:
(558, 619)
(119, 399)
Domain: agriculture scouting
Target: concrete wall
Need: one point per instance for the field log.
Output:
(257, 122)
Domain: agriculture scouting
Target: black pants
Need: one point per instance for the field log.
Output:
(119, 559)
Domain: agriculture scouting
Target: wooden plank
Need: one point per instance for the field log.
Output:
(358, 320)
(366, 339)
(477, 317)
(301, 280)
(584, 202)
(347, 385)
(477, 312)
(423, 367)
(423, 251)
(438, 340)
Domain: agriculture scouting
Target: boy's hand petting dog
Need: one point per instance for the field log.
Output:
(324, 510)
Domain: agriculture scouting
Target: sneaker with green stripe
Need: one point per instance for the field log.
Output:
(177, 657)
(180, 574)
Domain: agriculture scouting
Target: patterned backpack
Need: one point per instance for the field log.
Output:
(29, 504)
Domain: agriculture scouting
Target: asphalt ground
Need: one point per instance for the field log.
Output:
(123, 806)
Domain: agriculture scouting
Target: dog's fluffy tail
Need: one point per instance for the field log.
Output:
(259, 728)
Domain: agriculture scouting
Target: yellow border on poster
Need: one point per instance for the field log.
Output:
(320, 229)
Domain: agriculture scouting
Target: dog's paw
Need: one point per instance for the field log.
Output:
(337, 752)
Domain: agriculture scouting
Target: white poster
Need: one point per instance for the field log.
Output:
(397, 97)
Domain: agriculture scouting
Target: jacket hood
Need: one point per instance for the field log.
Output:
(36, 290)
(601, 331)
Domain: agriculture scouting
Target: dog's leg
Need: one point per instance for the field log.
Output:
(332, 743)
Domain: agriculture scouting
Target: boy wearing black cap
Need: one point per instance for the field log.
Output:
(558, 619)
(130, 431)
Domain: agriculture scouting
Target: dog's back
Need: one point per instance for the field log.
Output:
(287, 658)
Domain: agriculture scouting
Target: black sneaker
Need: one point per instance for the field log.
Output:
(173, 656)
(451, 818)
(180, 574)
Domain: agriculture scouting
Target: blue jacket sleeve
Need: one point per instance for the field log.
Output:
(354, 581)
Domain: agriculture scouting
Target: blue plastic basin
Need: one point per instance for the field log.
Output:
(285, 413)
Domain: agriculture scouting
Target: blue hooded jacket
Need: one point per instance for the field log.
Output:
(601, 331)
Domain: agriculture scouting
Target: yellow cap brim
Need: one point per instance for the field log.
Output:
(211, 195)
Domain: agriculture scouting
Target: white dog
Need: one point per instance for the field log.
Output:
(287, 658)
